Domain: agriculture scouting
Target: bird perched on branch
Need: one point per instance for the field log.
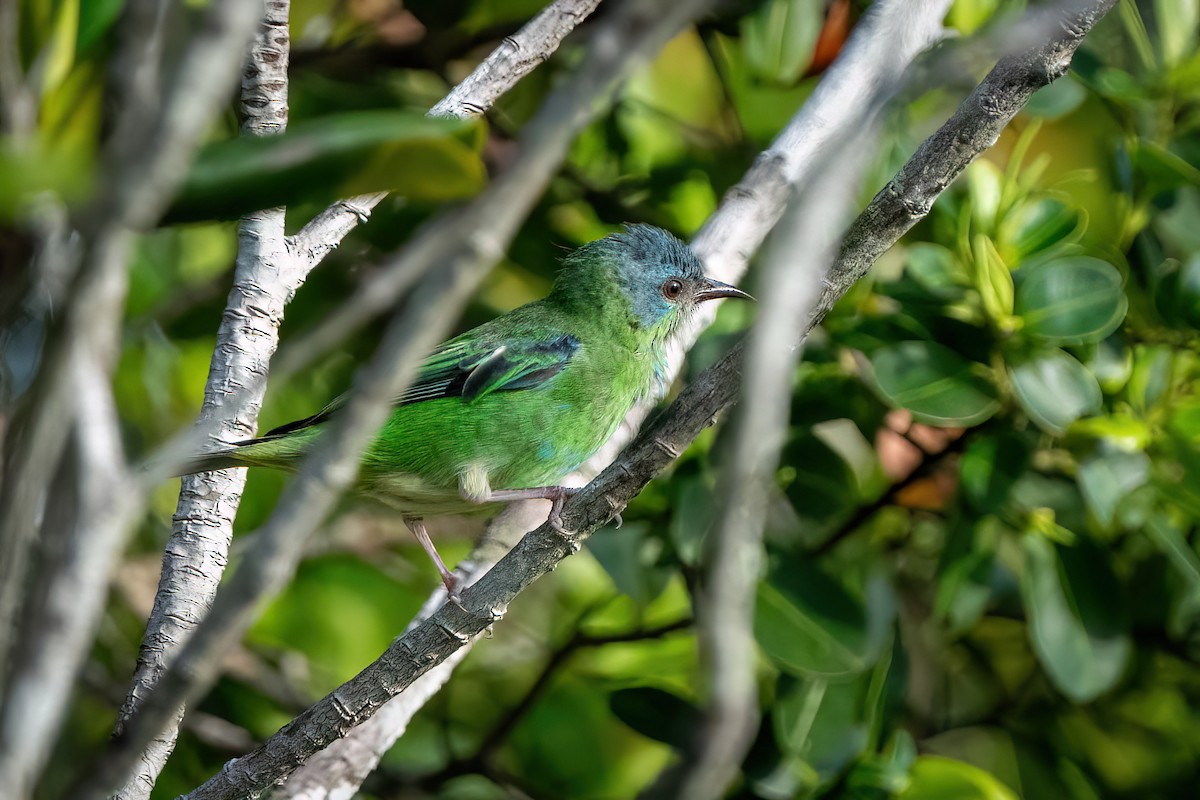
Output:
(506, 410)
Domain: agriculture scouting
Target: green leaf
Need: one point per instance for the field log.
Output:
(1151, 377)
(1055, 390)
(657, 714)
(778, 38)
(1039, 224)
(57, 56)
(810, 625)
(990, 467)
(339, 156)
(1057, 99)
(1106, 480)
(691, 517)
(993, 280)
(628, 556)
(936, 269)
(1071, 300)
(1177, 295)
(1078, 621)
(938, 778)
(936, 384)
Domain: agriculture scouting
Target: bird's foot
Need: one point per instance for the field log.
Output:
(557, 498)
(454, 586)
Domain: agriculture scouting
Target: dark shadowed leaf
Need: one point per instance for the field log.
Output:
(627, 555)
(338, 156)
(658, 714)
(1055, 390)
(1078, 621)
(937, 385)
(990, 467)
(810, 625)
(1071, 300)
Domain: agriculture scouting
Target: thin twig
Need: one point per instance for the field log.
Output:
(450, 628)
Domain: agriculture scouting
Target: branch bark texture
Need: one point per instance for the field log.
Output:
(450, 628)
(265, 279)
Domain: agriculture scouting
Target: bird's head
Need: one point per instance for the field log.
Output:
(655, 274)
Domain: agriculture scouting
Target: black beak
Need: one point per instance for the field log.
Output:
(715, 290)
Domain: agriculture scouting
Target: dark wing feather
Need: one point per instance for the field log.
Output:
(470, 370)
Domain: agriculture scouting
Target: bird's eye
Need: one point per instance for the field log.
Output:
(672, 289)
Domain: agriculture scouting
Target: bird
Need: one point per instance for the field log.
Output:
(507, 409)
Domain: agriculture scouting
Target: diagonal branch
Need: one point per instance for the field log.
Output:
(974, 127)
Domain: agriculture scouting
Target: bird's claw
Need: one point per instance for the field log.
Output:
(453, 586)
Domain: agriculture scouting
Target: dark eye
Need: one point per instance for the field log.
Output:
(672, 289)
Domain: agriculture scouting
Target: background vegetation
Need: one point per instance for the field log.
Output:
(983, 573)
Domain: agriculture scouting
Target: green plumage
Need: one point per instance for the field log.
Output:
(521, 401)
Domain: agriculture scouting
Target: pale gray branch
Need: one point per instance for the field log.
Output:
(265, 279)
(450, 628)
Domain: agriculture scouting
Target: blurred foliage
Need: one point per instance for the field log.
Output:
(983, 580)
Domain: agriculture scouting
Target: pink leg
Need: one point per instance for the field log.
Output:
(557, 495)
(417, 526)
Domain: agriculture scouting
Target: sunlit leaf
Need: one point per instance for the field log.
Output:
(325, 159)
(936, 384)
(1071, 300)
(938, 778)
(1039, 224)
(1078, 621)
(778, 38)
(1055, 390)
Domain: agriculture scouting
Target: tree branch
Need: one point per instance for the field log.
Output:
(450, 628)
(265, 279)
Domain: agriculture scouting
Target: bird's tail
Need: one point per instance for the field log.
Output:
(210, 462)
(269, 451)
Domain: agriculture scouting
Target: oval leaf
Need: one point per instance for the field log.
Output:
(1055, 390)
(936, 384)
(1071, 300)
(809, 625)
(324, 159)
(1077, 621)
(938, 778)
(657, 714)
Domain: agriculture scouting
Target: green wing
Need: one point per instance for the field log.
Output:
(470, 369)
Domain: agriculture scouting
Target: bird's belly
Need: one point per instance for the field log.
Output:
(415, 496)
